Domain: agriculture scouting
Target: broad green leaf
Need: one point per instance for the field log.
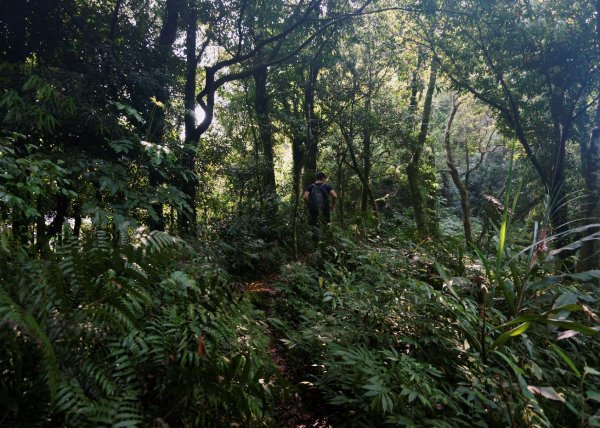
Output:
(574, 325)
(565, 299)
(520, 319)
(593, 395)
(509, 294)
(586, 276)
(511, 333)
(442, 271)
(373, 387)
(502, 239)
(537, 371)
(565, 308)
(543, 283)
(505, 220)
(566, 359)
(484, 260)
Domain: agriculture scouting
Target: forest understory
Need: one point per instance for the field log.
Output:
(365, 329)
(160, 164)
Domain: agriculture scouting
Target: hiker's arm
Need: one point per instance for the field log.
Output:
(306, 195)
(333, 198)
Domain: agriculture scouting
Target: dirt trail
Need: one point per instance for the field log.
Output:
(303, 408)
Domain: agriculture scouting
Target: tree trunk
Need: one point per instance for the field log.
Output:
(559, 209)
(361, 176)
(156, 133)
(62, 205)
(113, 20)
(188, 219)
(297, 155)
(589, 256)
(590, 157)
(168, 31)
(366, 154)
(556, 174)
(412, 169)
(341, 193)
(460, 185)
(265, 130)
(77, 216)
(414, 90)
(311, 143)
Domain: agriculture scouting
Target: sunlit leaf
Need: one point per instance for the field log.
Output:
(511, 333)
(566, 359)
(588, 370)
(547, 392)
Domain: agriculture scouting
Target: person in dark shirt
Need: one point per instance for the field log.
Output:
(317, 196)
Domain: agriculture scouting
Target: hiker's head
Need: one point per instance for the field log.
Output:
(321, 176)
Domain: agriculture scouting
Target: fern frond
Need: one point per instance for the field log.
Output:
(14, 314)
(115, 316)
(102, 242)
(71, 398)
(123, 365)
(123, 234)
(136, 270)
(159, 241)
(96, 374)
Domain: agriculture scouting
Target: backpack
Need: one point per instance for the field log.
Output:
(317, 198)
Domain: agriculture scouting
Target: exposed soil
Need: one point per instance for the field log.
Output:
(304, 407)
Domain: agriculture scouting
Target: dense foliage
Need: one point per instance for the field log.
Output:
(120, 333)
(156, 267)
(386, 347)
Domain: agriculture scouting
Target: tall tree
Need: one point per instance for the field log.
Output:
(424, 226)
(533, 63)
(462, 187)
(188, 218)
(590, 160)
(160, 95)
(473, 140)
(265, 130)
(277, 36)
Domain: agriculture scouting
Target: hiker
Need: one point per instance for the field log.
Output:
(317, 195)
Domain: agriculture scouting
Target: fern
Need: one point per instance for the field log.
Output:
(99, 377)
(21, 320)
(118, 327)
(71, 398)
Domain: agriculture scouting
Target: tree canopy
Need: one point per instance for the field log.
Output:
(156, 262)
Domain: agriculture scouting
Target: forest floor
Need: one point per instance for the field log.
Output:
(304, 406)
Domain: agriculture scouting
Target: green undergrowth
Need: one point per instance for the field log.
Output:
(124, 327)
(128, 328)
(399, 335)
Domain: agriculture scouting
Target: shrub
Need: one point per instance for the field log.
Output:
(107, 333)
